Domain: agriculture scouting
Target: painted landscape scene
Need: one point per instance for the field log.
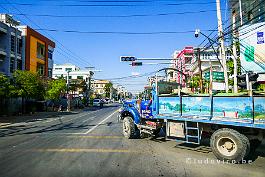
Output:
(169, 105)
(196, 106)
(232, 107)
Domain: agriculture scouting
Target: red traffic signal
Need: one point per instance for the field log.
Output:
(137, 63)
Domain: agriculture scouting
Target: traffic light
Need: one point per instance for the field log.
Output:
(252, 77)
(137, 63)
(128, 58)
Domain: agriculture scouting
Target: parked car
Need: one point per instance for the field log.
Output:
(96, 102)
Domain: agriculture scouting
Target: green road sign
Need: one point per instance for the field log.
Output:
(216, 75)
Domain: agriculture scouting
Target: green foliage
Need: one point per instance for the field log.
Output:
(195, 82)
(4, 86)
(27, 84)
(107, 89)
(55, 88)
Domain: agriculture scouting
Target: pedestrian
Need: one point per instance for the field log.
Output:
(101, 103)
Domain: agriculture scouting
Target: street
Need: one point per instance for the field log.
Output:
(90, 143)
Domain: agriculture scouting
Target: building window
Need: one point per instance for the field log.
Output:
(13, 45)
(50, 52)
(19, 46)
(79, 77)
(12, 62)
(40, 50)
(70, 77)
(19, 64)
(49, 72)
(40, 69)
(68, 69)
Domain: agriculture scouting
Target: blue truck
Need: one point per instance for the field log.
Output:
(235, 125)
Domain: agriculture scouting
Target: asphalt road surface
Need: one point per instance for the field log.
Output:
(90, 143)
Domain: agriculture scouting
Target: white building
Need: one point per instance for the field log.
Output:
(74, 72)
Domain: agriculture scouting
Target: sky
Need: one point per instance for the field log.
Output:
(87, 46)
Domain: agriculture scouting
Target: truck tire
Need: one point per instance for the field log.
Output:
(128, 127)
(230, 145)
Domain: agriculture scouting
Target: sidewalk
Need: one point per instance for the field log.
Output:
(5, 121)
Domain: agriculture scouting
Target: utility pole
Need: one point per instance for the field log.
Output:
(68, 96)
(240, 13)
(200, 69)
(220, 34)
(234, 51)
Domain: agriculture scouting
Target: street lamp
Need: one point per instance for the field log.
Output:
(223, 64)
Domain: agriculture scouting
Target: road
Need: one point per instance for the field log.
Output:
(90, 143)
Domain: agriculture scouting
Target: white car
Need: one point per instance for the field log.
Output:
(96, 102)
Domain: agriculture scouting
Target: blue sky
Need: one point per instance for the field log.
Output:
(103, 50)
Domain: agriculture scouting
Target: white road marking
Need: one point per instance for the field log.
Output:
(93, 128)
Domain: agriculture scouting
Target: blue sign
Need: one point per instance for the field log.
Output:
(260, 38)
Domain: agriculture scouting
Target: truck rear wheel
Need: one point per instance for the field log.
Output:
(230, 145)
(128, 127)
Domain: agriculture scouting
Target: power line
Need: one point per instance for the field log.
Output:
(115, 16)
(108, 5)
(67, 51)
(118, 32)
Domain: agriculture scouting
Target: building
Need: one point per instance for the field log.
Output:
(38, 51)
(249, 19)
(70, 70)
(208, 57)
(11, 53)
(181, 61)
(187, 61)
(250, 12)
(98, 87)
(72, 74)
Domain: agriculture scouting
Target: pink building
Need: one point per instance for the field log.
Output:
(182, 61)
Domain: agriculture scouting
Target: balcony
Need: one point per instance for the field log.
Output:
(2, 50)
(3, 30)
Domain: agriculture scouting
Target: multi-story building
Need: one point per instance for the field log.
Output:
(72, 71)
(73, 75)
(11, 53)
(250, 12)
(188, 62)
(38, 51)
(181, 61)
(98, 87)
(208, 57)
(249, 19)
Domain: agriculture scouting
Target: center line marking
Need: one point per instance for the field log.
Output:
(93, 128)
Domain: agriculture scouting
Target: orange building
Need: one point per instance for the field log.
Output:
(38, 52)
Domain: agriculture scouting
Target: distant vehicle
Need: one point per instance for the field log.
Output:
(107, 101)
(96, 102)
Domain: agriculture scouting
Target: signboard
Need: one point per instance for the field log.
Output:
(252, 47)
(216, 75)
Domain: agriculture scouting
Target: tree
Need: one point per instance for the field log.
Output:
(195, 82)
(4, 86)
(27, 85)
(108, 88)
(5, 89)
(55, 88)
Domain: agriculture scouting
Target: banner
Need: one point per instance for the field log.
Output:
(252, 47)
